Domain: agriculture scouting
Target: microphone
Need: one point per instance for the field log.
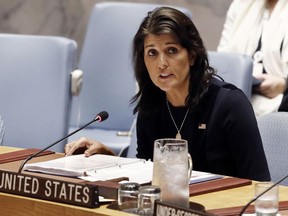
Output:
(102, 116)
(265, 191)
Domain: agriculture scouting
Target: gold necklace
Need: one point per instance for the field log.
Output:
(178, 135)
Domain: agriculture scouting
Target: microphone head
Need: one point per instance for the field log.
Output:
(102, 116)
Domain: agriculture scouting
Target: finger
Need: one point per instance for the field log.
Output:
(92, 149)
(87, 153)
(71, 147)
(67, 148)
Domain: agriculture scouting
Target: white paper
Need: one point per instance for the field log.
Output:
(198, 177)
(100, 167)
(140, 172)
(77, 165)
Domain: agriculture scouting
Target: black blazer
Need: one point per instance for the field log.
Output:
(222, 134)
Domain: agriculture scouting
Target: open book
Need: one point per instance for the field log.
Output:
(105, 167)
(96, 167)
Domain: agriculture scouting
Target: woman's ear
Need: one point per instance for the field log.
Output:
(192, 58)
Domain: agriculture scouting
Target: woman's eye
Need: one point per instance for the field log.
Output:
(172, 50)
(151, 52)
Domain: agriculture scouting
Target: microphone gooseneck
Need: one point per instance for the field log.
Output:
(102, 116)
(254, 199)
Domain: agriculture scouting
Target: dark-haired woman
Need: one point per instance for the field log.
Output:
(181, 97)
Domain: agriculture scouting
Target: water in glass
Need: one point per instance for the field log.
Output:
(267, 203)
(267, 207)
(171, 170)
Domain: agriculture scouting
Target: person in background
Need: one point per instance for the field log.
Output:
(258, 28)
(181, 97)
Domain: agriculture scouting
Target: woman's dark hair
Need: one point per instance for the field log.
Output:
(166, 20)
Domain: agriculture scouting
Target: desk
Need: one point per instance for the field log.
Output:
(18, 205)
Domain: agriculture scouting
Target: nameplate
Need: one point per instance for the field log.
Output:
(163, 209)
(49, 189)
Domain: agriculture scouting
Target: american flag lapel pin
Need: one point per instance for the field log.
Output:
(202, 126)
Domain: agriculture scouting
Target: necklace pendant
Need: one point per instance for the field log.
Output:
(178, 136)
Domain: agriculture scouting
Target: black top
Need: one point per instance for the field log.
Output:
(222, 135)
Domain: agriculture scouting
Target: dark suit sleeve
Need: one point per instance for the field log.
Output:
(243, 137)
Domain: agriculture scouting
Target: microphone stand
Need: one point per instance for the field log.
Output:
(253, 200)
(39, 152)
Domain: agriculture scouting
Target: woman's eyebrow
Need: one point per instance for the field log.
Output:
(168, 43)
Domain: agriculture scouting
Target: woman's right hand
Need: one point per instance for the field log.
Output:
(92, 147)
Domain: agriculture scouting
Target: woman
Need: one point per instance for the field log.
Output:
(180, 97)
(258, 28)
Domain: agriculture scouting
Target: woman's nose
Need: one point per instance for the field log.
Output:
(163, 63)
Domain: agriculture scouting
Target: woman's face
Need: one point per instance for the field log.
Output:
(168, 63)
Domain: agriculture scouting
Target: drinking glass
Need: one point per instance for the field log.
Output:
(128, 197)
(172, 166)
(2, 129)
(146, 199)
(267, 204)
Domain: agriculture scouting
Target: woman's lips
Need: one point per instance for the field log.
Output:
(165, 75)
